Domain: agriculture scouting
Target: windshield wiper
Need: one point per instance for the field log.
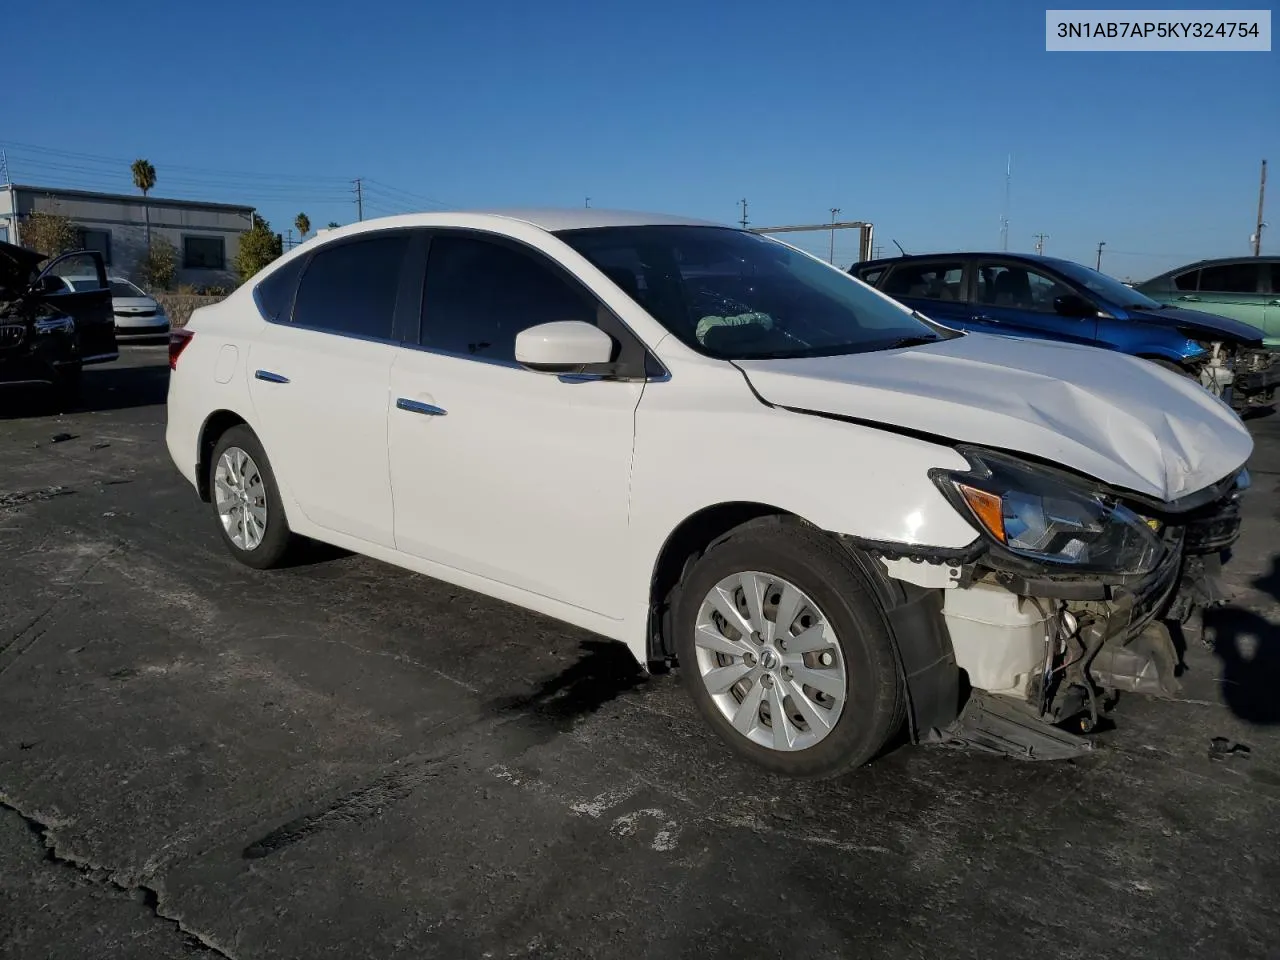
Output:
(915, 340)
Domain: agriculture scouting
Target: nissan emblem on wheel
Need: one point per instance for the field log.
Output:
(839, 518)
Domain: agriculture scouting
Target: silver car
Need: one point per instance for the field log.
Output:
(137, 313)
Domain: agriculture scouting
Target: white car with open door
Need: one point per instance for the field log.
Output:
(835, 515)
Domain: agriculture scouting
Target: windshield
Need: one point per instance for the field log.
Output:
(1106, 287)
(739, 296)
(123, 288)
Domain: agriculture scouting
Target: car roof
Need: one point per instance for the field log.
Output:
(551, 219)
(992, 254)
(1219, 261)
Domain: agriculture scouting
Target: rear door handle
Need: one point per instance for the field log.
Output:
(1190, 299)
(980, 316)
(1274, 303)
(270, 377)
(417, 406)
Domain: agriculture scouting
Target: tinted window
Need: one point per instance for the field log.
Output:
(275, 292)
(123, 288)
(480, 294)
(734, 294)
(1018, 288)
(351, 287)
(872, 276)
(926, 281)
(1187, 281)
(204, 253)
(1230, 278)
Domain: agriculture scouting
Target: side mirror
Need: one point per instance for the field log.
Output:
(1072, 305)
(564, 346)
(47, 284)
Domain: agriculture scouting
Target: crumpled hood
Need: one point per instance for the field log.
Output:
(1124, 421)
(16, 266)
(1213, 326)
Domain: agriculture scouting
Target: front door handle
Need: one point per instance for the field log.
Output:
(417, 406)
(1274, 303)
(270, 377)
(980, 316)
(1190, 299)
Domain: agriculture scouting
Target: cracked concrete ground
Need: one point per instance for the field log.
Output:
(343, 759)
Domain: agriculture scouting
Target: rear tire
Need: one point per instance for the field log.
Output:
(246, 501)
(836, 638)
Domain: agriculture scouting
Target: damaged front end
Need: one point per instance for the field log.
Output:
(1069, 598)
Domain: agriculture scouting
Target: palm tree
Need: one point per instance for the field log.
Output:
(144, 178)
(303, 223)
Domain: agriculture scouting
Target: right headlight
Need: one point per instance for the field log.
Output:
(1056, 520)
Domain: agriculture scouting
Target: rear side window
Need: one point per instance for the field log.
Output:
(1189, 281)
(872, 276)
(480, 294)
(1230, 278)
(274, 292)
(926, 281)
(350, 288)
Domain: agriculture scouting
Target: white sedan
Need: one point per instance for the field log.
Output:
(835, 515)
(137, 313)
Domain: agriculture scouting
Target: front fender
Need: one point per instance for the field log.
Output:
(863, 482)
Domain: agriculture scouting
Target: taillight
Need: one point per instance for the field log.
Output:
(178, 340)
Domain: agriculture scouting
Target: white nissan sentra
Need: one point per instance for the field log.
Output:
(835, 515)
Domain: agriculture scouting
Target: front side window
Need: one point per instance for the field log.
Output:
(204, 253)
(1188, 282)
(1017, 287)
(1230, 278)
(350, 288)
(124, 289)
(926, 281)
(479, 294)
(737, 295)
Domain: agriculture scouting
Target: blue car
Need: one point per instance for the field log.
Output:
(1022, 295)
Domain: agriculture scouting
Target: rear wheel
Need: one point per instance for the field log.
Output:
(246, 501)
(786, 652)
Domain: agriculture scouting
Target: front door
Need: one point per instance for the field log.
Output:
(319, 384)
(76, 284)
(1235, 290)
(1016, 299)
(515, 476)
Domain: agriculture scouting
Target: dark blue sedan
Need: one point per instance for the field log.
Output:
(1022, 295)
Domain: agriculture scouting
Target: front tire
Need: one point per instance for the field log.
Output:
(776, 622)
(246, 501)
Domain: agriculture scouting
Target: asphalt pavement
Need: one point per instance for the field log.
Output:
(342, 759)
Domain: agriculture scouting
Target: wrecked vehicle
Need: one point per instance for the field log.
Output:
(1042, 297)
(48, 330)
(836, 516)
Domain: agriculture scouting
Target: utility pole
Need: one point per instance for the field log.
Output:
(1101, 244)
(288, 239)
(875, 254)
(744, 221)
(1262, 191)
(359, 198)
(4, 166)
(1004, 217)
(1040, 239)
(835, 211)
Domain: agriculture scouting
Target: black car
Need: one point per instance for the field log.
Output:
(1047, 298)
(49, 332)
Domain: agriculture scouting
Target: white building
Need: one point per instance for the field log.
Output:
(205, 235)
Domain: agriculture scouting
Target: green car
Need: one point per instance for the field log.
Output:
(1242, 288)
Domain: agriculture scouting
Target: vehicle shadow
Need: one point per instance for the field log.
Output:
(106, 387)
(1248, 646)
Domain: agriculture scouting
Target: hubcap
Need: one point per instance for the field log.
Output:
(770, 661)
(241, 498)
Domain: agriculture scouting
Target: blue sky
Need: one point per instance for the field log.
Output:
(901, 114)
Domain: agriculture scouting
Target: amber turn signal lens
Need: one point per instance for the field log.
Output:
(987, 507)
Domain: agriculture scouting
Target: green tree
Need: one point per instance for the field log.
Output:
(258, 247)
(49, 233)
(144, 178)
(334, 224)
(303, 223)
(159, 265)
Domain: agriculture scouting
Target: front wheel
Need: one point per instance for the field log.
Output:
(250, 514)
(786, 652)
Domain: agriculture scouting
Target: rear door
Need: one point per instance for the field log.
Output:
(87, 301)
(1271, 309)
(937, 288)
(319, 381)
(1016, 299)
